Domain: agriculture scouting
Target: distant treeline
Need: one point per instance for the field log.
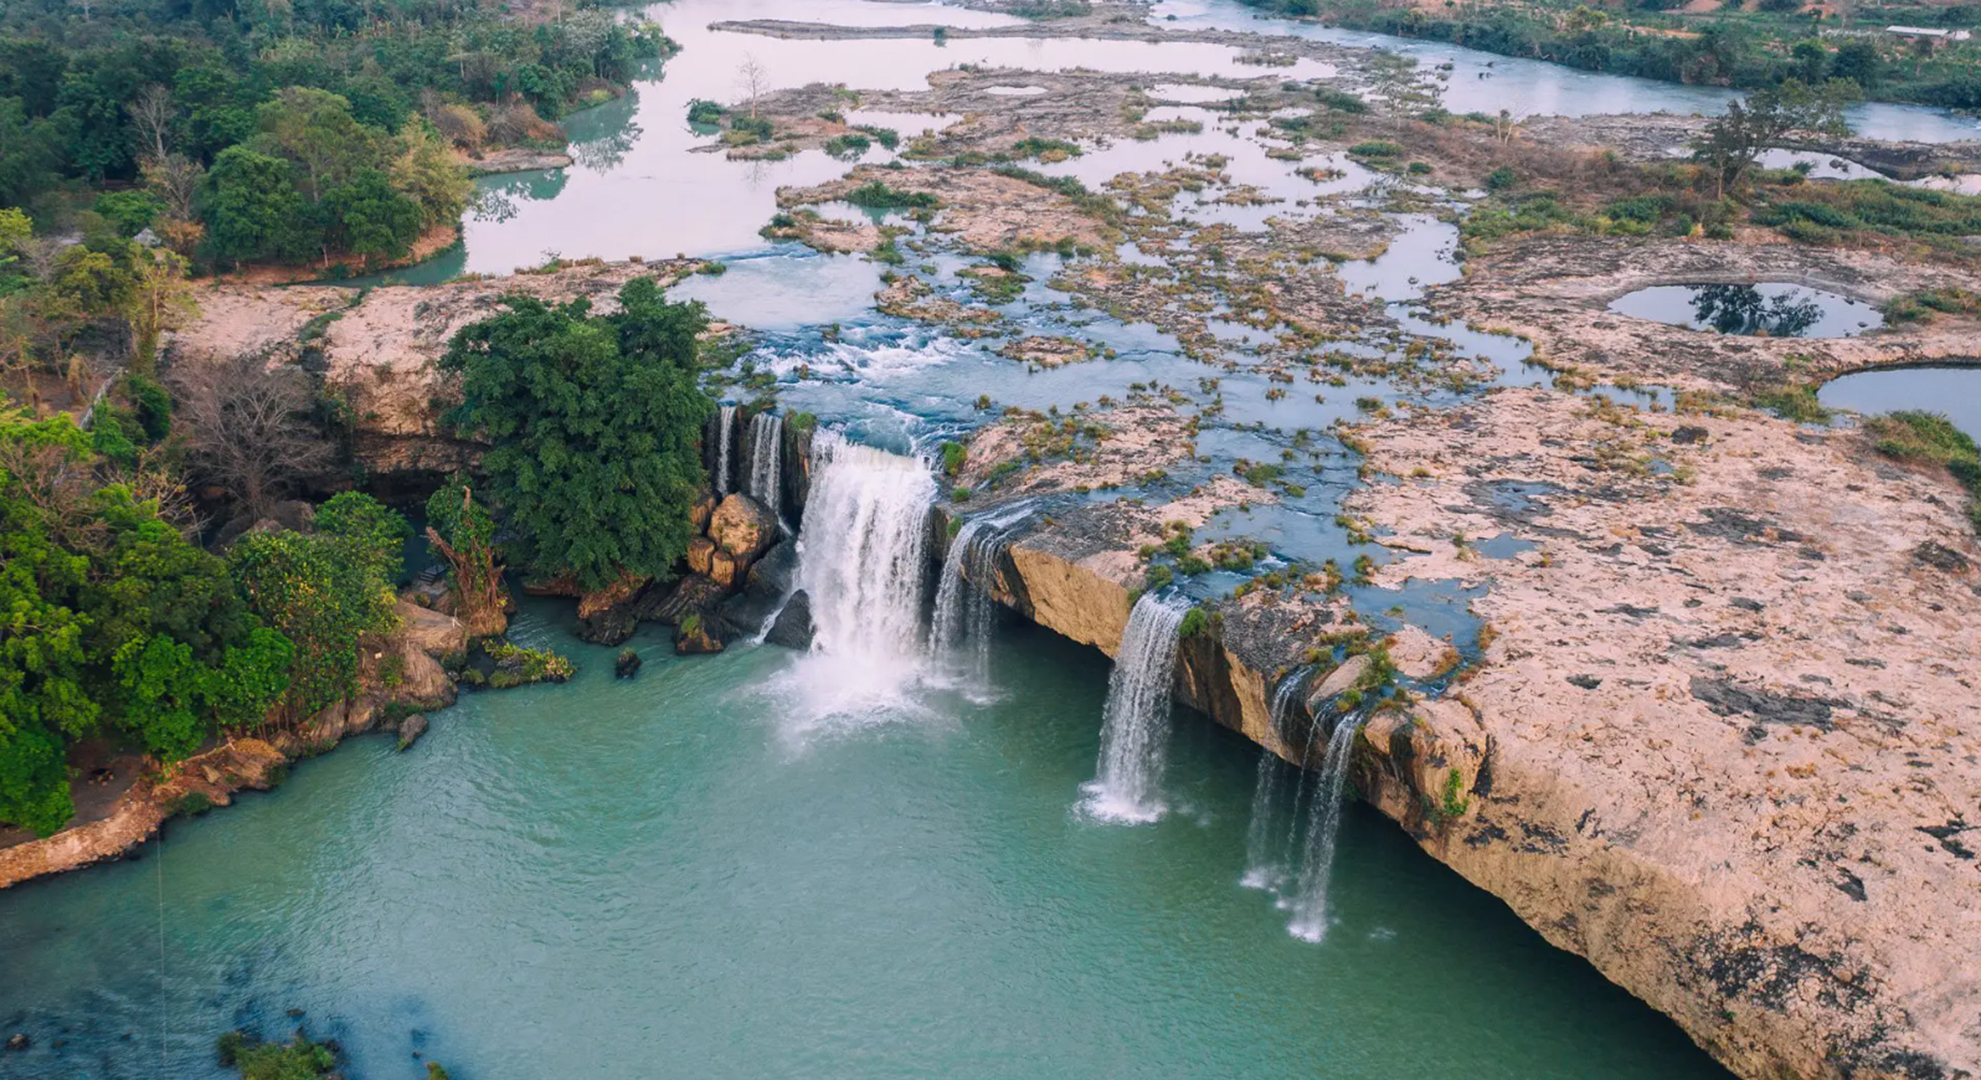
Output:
(1739, 50)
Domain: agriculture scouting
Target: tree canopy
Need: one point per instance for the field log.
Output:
(593, 425)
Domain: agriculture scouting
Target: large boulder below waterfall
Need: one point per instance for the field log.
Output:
(743, 527)
(793, 626)
(700, 550)
(775, 573)
(696, 594)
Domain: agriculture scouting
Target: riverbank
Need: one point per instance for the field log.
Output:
(388, 697)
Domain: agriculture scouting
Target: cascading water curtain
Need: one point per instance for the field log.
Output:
(1135, 731)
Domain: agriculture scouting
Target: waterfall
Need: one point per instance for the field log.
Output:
(725, 437)
(1268, 845)
(766, 462)
(964, 610)
(1135, 733)
(1310, 900)
(860, 555)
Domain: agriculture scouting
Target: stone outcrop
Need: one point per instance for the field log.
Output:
(743, 528)
(376, 347)
(1716, 735)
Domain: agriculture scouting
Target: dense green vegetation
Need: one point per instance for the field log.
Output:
(290, 131)
(115, 624)
(593, 424)
(298, 1059)
(1730, 47)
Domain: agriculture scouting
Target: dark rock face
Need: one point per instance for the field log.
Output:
(1940, 557)
(410, 730)
(696, 594)
(793, 628)
(693, 638)
(609, 627)
(628, 664)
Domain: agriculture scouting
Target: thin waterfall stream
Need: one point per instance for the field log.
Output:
(965, 611)
(766, 471)
(1268, 844)
(1135, 731)
(725, 437)
(1310, 899)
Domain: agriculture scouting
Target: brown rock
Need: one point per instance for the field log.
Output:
(438, 635)
(743, 527)
(700, 549)
(726, 569)
(611, 596)
(700, 513)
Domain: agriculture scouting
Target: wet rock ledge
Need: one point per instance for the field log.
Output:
(1719, 736)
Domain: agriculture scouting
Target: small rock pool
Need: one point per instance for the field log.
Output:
(1770, 309)
(1952, 389)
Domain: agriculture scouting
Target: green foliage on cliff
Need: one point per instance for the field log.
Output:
(325, 591)
(593, 424)
(111, 622)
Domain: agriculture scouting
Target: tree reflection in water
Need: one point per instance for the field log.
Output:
(1744, 309)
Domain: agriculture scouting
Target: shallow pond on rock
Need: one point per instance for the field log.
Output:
(1773, 310)
(1952, 390)
(687, 875)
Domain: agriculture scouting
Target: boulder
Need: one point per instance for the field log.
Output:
(410, 730)
(699, 551)
(726, 570)
(18, 1042)
(609, 627)
(696, 594)
(628, 664)
(775, 573)
(692, 638)
(612, 595)
(439, 635)
(793, 627)
(1337, 683)
(704, 509)
(743, 527)
(423, 683)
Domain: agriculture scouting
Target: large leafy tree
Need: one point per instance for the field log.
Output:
(593, 425)
(251, 208)
(325, 592)
(110, 621)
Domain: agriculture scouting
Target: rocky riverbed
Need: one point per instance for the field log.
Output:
(1702, 710)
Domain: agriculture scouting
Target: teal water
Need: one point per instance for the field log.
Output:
(679, 876)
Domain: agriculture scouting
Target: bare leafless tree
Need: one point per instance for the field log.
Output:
(754, 78)
(174, 178)
(247, 426)
(151, 112)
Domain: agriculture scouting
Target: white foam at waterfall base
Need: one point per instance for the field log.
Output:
(860, 555)
(1309, 902)
(1135, 730)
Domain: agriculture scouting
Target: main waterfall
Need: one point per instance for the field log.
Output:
(861, 552)
(1135, 732)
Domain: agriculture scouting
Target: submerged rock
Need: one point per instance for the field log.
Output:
(19, 1042)
(793, 628)
(410, 730)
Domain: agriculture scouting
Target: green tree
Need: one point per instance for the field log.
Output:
(321, 592)
(375, 532)
(593, 425)
(315, 129)
(1735, 139)
(367, 217)
(427, 172)
(251, 208)
(461, 531)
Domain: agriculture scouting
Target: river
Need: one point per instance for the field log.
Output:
(696, 873)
